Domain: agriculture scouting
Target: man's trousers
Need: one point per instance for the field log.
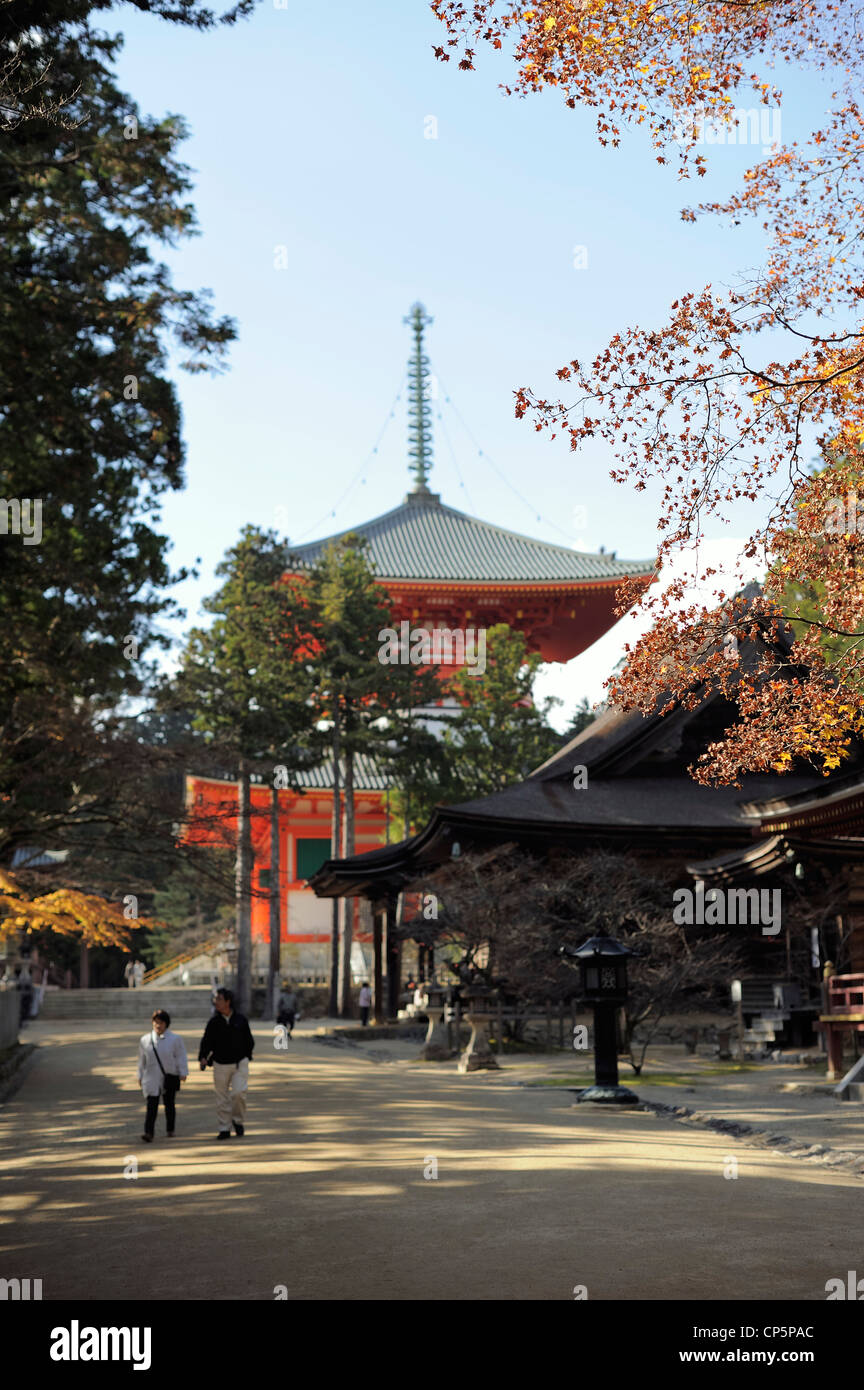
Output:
(231, 1080)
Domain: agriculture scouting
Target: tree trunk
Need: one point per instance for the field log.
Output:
(243, 892)
(335, 838)
(275, 905)
(378, 961)
(347, 934)
(393, 955)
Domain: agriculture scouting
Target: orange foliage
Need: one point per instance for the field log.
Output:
(722, 401)
(67, 912)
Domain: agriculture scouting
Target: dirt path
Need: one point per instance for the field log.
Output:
(327, 1196)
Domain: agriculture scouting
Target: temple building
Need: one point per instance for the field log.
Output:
(799, 832)
(443, 569)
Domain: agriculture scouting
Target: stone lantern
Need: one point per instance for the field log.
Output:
(478, 1054)
(602, 965)
(435, 1046)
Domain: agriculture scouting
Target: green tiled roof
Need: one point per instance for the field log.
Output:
(422, 539)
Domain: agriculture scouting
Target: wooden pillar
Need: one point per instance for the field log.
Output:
(394, 955)
(274, 978)
(378, 963)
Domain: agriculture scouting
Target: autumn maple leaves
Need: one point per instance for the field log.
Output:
(725, 403)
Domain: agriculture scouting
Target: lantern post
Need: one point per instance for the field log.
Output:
(602, 965)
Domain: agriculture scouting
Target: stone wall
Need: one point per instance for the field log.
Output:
(10, 1008)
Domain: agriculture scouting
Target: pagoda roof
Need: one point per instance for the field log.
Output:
(424, 540)
(368, 776)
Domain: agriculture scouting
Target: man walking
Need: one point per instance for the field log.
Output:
(365, 1002)
(227, 1046)
(288, 1006)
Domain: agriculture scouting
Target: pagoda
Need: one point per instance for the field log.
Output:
(442, 569)
(445, 569)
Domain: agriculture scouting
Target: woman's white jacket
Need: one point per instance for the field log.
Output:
(172, 1055)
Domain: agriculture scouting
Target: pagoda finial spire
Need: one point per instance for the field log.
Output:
(419, 410)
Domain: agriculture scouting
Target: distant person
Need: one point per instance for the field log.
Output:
(25, 985)
(365, 1002)
(129, 974)
(162, 1065)
(40, 976)
(184, 978)
(227, 1046)
(138, 973)
(289, 1006)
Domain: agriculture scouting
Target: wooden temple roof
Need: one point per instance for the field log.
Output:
(638, 795)
(425, 540)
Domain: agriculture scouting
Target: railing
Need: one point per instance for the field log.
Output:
(846, 994)
(175, 962)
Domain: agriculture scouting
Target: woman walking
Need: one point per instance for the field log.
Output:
(162, 1065)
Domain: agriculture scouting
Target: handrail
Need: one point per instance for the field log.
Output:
(168, 965)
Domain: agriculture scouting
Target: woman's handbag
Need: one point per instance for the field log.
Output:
(170, 1081)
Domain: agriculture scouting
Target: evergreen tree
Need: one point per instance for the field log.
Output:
(248, 686)
(582, 716)
(90, 434)
(365, 701)
(497, 736)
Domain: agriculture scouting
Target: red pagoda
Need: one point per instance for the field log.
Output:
(443, 569)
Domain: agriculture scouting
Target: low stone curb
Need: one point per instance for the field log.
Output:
(761, 1138)
(14, 1069)
(382, 1032)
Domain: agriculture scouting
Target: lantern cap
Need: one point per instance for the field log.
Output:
(596, 947)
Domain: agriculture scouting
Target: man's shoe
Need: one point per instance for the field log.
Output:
(169, 1134)
(224, 1134)
(239, 1130)
(147, 1138)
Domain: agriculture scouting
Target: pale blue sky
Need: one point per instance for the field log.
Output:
(307, 132)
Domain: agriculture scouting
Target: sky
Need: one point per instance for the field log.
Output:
(341, 173)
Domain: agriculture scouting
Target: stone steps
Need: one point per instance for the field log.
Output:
(133, 1004)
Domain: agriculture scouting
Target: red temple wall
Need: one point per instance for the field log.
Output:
(212, 820)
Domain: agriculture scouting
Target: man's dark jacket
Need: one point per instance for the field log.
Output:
(229, 1039)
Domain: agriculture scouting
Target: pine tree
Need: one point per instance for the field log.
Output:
(497, 736)
(249, 688)
(90, 436)
(365, 701)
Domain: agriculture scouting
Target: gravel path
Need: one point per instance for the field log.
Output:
(326, 1196)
